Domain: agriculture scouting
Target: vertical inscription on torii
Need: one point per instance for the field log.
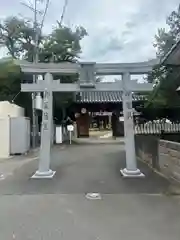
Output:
(128, 102)
(46, 95)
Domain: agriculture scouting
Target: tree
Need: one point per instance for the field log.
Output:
(173, 22)
(163, 42)
(165, 39)
(166, 80)
(10, 77)
(62, 44)
(17, 35)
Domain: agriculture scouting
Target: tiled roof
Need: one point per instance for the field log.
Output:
(104, 97)
(173, 51)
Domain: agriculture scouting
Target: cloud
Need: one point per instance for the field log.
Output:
(133, 28)
(119, 31)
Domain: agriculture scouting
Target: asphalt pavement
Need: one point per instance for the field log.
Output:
(58, 208)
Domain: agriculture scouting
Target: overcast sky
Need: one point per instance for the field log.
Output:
(119, 30)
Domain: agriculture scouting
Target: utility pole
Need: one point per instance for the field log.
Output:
(37, 32)
(35, 60)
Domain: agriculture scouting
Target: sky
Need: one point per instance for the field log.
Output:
(118, 30)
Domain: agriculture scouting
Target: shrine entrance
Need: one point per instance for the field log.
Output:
(87, 82)
(100, 114)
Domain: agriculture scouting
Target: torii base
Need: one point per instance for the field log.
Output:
(131, 174)
(44, 175)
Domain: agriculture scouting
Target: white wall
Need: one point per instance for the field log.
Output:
(4, 137)
(11, 110)
(7, 110)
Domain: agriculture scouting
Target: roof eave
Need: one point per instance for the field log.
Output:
(173, 56)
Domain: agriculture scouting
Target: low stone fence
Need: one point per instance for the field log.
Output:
(161, 154)
(157, 128)
(169, 159)
(147, 149)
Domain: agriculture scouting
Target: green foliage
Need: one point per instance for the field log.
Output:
(9, 78)
(173, 22)
(165, 94)
(17, 36)
(163, 42)
(63, 44)
(165, 39)
(166, 80)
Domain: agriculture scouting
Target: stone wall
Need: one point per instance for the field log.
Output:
(169, 159)
(161, 154)
(147, 149)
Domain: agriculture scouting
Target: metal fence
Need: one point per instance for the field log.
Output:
(157, 128)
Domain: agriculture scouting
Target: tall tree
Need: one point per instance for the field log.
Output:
(17, 35)
(10, 76)
(62, 44)
(165, 39)
(163, 42)
(166, 80)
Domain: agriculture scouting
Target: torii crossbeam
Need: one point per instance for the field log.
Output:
(87, 75)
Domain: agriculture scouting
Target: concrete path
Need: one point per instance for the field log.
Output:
(58, 209)
(97, 141)
(9, 165)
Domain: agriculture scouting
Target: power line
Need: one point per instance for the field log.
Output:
(63, 12)
(45, 12)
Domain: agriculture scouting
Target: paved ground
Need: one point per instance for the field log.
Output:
(9, 165)
(57, 209)
(94, 140)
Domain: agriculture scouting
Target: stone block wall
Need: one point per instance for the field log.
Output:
(161, 154)
(147, 149)
(169, 159)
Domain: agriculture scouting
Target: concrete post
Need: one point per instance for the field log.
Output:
(131, 169)
(44, 170)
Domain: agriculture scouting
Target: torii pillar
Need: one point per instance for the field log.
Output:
(131, 169)
(44, 170)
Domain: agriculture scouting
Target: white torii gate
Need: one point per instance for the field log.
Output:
(87, 72)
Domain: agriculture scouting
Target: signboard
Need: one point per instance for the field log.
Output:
(83, 110)
(70, 128)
